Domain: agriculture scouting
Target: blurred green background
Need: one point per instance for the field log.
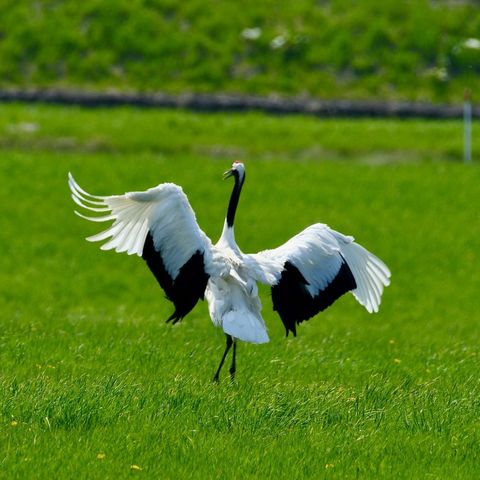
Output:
(409, 50)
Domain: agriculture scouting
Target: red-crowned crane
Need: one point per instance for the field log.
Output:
(306, 274)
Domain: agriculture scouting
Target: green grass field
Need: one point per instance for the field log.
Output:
(94, 384)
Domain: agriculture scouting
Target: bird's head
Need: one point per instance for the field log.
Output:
(237, 170)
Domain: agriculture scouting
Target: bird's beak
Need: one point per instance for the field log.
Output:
(228, 174)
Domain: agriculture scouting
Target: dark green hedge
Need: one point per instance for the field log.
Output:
(419, 50)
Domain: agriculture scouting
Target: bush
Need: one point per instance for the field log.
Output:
(326, 49)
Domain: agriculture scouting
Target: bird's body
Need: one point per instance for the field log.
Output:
(306, 274)
(232, 295)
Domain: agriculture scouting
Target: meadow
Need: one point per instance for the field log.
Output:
(94, 384)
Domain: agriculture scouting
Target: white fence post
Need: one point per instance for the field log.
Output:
(467, 128)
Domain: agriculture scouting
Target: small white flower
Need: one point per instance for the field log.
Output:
(472, 43)
(441, 73)
(278, 42)
(252, 33)
(26, 127)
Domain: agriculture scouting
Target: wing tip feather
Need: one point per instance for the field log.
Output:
(372, 276)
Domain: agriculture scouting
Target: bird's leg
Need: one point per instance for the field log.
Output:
(227, 348)
(233, 367)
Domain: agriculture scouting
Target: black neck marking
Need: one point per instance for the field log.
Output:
(234, 198)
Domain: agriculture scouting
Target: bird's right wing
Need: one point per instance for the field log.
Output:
(160, 226)
(313, 269)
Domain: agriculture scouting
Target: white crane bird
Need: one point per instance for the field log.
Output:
(306, 274)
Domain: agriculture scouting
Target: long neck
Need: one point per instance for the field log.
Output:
(234, 198)
(228, 236)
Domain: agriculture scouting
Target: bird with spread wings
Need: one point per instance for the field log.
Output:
(306, 274)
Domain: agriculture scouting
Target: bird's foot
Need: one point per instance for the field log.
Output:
(232, 374)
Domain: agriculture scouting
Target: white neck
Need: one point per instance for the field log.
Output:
(227, 239)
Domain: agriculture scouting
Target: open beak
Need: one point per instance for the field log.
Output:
(228, 174)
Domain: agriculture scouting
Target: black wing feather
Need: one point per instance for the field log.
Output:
(189, 286)
(294, 303)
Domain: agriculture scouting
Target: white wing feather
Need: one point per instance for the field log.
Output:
(318, 252)
(164, 211)
(370, 273)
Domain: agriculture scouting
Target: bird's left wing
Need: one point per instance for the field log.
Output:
(159, 225)
(313, 269)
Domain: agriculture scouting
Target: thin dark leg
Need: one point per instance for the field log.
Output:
(233, 367)
(227, 349)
